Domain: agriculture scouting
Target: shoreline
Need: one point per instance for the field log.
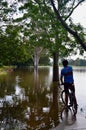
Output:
(5, 69)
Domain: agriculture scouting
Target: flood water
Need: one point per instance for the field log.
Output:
(80, 84)
(26, 99)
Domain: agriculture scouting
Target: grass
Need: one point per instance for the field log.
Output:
(2, 71)
(5, 69)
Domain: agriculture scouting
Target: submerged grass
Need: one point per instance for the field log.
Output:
(5, 69)
(2, 71)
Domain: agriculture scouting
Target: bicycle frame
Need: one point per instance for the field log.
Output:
(72, 104)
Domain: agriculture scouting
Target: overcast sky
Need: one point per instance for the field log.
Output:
(79, 15)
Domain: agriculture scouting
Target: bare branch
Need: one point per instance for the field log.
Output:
(74, 8)
(71, 11)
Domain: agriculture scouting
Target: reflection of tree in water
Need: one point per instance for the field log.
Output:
(6, 87)
(27, 107)
(24, 115)
(42, 113)
(11, 113)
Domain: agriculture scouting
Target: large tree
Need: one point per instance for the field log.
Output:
(42, 27)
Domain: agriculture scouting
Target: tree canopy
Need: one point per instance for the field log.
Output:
(26, 25)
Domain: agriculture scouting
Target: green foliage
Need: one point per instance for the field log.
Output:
(44, 60)
(4, 4)
(1, 64)
(37, 26)
(11, 47)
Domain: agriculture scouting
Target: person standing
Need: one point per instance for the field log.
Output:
(67, 79)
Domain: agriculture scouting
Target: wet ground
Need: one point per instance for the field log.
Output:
(78, 123)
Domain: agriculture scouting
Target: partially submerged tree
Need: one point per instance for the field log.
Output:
(42, 27)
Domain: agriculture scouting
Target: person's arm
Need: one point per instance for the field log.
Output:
(72, 71)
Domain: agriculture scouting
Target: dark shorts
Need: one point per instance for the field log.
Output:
(69, 86)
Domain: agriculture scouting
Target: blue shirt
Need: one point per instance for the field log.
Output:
(67, 73)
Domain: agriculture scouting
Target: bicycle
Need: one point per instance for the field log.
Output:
(71, 107)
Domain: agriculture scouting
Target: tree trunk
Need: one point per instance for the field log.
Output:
(36, 58)
(36, 61)
(55, 79)
(55, 67)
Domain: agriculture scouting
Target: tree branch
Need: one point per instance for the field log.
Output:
(74, 33)
(74, 8)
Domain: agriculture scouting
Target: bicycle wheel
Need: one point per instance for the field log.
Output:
(63, 96)
(69, 98)
(67, 116)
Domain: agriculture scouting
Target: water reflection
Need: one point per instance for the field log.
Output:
(10, 108)
(80, 69)
(27, 100)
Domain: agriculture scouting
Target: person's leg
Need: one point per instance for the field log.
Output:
(66, 93)
(72, 88)
(66, 99)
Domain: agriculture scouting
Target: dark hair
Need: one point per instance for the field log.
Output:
(65, 62)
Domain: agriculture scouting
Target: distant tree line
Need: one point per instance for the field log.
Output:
(78, 62)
